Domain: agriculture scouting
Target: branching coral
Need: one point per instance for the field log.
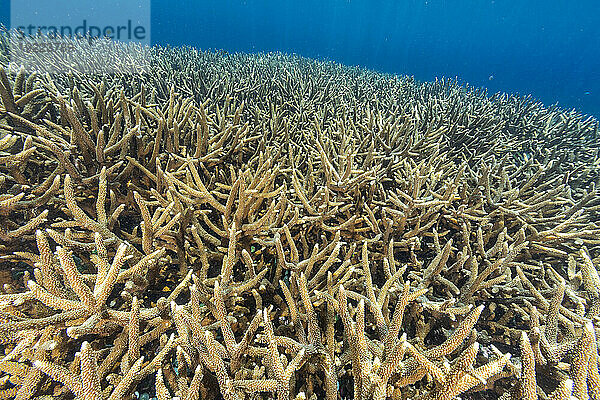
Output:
(268, 226)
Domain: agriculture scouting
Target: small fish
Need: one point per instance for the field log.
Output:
(491, 77)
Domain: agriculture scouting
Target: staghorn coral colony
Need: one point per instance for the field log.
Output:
(268, 226)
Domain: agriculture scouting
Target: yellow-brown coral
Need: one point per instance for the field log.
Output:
(259, 226)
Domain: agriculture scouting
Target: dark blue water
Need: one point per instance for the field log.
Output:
(550, 49)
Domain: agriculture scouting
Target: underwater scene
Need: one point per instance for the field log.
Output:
(336, 199)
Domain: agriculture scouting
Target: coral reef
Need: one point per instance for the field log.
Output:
(268, 226)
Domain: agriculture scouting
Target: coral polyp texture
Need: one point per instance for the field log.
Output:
(263, 226)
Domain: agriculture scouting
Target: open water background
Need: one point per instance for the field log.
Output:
(549, 49)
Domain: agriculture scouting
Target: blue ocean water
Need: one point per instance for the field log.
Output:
(550, 49)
